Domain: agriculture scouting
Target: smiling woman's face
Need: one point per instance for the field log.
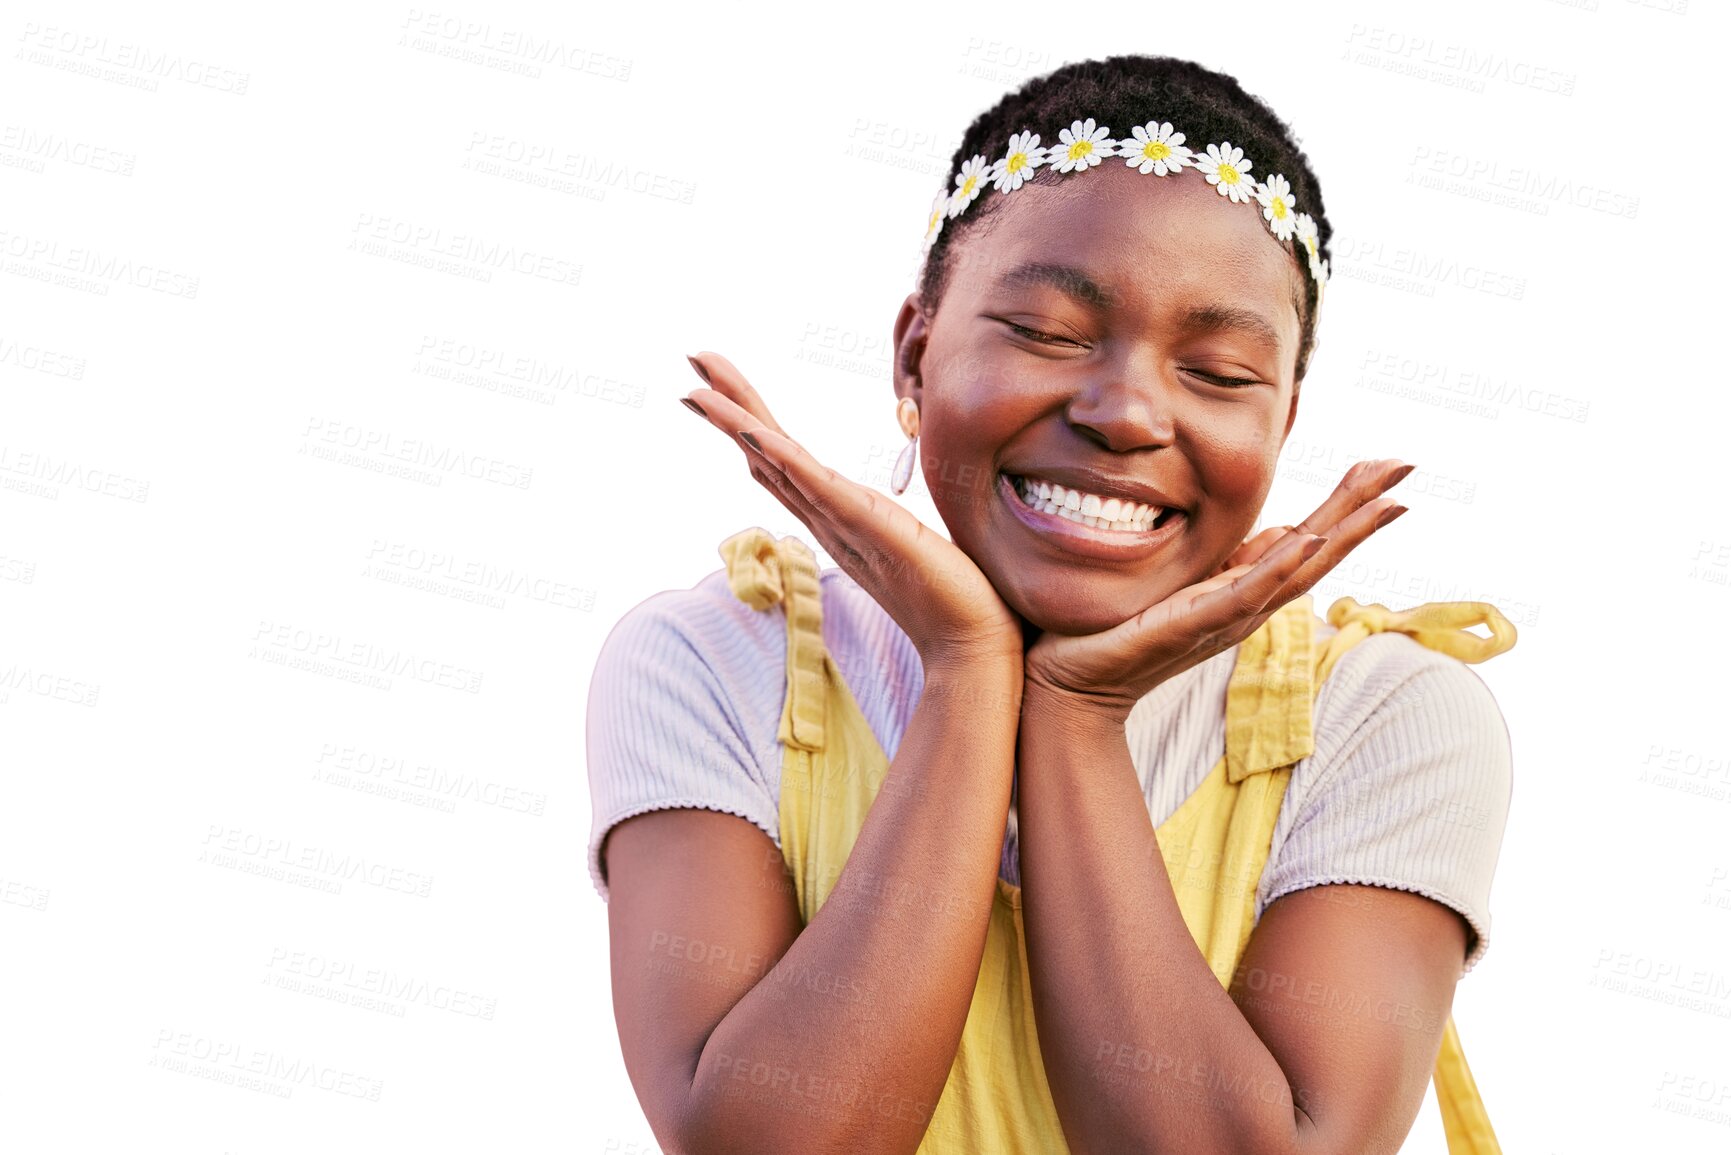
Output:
(1093, 335)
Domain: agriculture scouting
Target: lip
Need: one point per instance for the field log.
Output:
(1086, 480)
(1085, 540)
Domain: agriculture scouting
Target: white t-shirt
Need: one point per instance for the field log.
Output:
(1408, 786)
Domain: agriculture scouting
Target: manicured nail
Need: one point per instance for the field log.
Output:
(693, 406)
(701, 372)
(745, 436)
(1311, 547)
(1400, 474)
(1389, 515)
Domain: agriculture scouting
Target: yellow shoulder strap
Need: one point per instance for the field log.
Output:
(763, 572)
(832, 765)
(1442, 626)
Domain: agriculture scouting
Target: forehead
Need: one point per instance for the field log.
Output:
(1149, 242)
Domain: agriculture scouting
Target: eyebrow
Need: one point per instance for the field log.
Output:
(1067, 279)
(1231, 319)
(1073, 282)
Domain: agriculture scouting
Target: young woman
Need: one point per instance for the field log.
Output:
(1078, 830)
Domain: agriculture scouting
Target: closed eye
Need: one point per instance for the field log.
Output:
(1231, 382)
(1037, 335)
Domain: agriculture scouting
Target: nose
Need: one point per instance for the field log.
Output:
(1126, 407)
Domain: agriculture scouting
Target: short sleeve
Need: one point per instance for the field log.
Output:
(673, 703)
(1409, 786)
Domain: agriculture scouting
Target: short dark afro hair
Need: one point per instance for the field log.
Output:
(1122, 92)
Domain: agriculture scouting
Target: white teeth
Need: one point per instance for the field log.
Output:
(1087, 508)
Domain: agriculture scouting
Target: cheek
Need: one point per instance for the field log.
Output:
(1237, 466)
(967, 419)
(958, 444)
(1237, 472)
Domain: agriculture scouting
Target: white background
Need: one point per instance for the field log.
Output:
(199, 318)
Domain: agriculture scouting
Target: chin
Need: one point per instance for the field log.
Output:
(1085, 605)
(1053, 616)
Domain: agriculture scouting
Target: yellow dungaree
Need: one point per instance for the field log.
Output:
(996, 1100)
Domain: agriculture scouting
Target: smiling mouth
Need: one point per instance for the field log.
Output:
(1109, 515)
(1068, 531)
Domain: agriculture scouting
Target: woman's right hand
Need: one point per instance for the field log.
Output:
(936, 594)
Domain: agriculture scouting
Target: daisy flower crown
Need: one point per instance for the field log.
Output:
(1153, 149)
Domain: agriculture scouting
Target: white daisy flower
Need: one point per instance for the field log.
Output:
(970, 182)
(1018, 164)
(1307, 236)
(1276, 197)
(1227, 170)
(1083, 146)
(935, 218)
(1155, 148)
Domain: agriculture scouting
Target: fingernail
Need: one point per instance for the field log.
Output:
(1389, 515)
(693, 406)
(1400, 474)
(745, 436)
(698, 365)
(1310, 547)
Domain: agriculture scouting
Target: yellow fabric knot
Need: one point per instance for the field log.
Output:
(1441, 626)
(754, 568)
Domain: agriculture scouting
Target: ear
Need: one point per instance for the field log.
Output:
(1298, 382)
(910, 347)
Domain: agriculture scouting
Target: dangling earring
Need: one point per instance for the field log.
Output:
(908, 417)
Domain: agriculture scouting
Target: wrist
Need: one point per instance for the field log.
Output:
(982, 681)
(1080, 716)
(964, 660)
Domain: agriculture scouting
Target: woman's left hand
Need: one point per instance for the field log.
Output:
(1107, 673)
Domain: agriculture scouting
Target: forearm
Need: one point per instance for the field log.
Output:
(846, 1042)
(1143, 1048)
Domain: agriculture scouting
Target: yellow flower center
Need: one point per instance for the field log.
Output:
(1279, 207)
(1081, 149)
(968, 185)
(1017, 160)
(1156, 150)
(1227, 174)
